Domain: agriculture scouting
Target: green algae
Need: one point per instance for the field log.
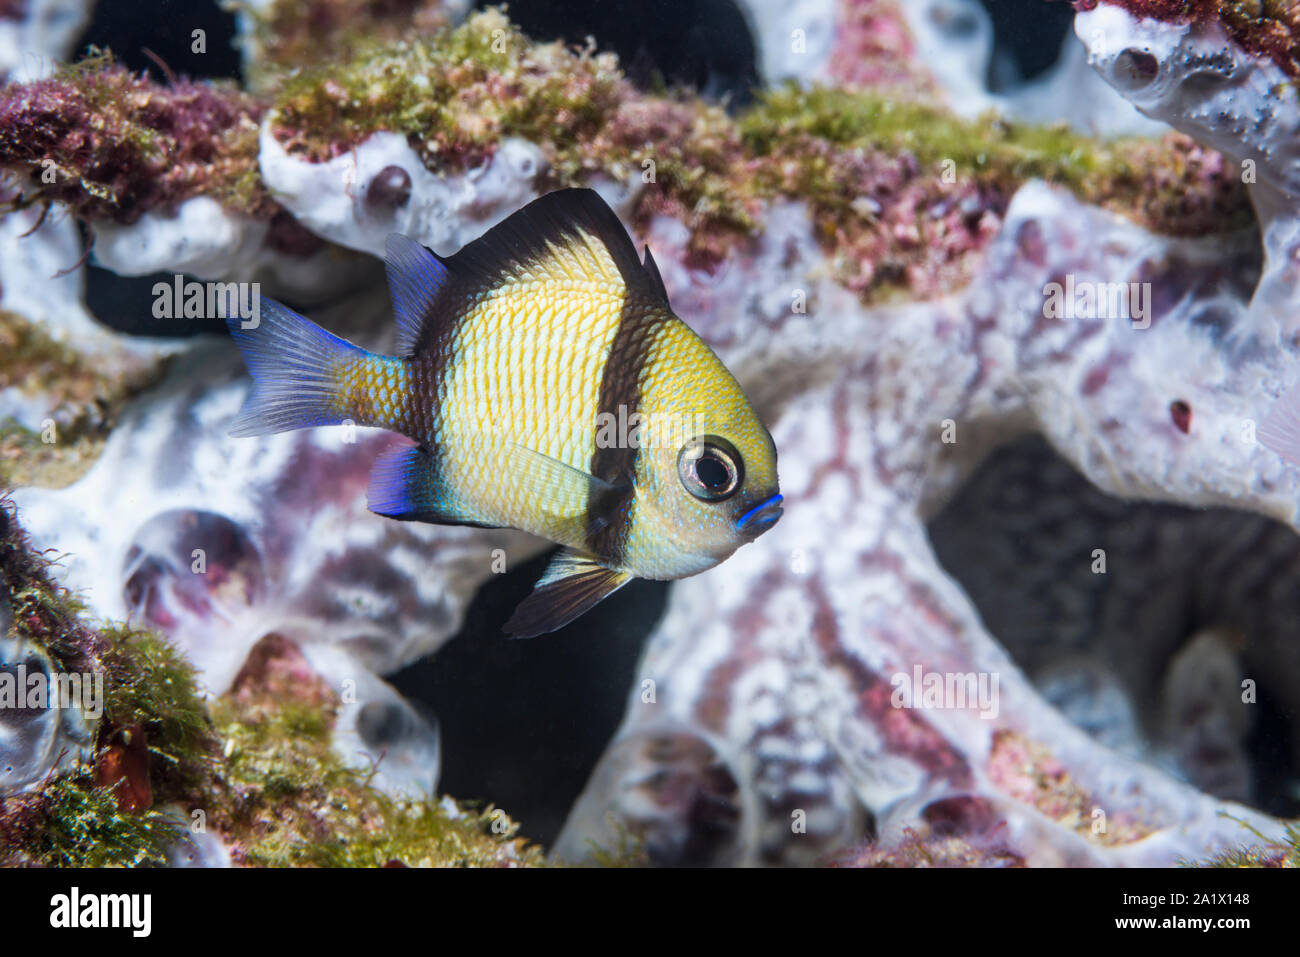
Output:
(1119, 174)
(457, 93)
(986, 146)
(149, 683)
(1267, 852)
(288, 800)
(84, 394)
(78, 824)
(259, 764)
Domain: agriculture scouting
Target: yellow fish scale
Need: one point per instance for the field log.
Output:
(525, 371)
(684, 384)
(373, 390)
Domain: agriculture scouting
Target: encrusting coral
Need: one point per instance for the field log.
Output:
(1263, 28)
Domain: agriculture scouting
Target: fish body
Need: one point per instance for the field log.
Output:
(548, 387)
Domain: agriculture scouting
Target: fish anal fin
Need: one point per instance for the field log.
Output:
(404, 485)
(572, 584)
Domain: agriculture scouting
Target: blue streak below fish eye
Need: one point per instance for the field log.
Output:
(748, 516)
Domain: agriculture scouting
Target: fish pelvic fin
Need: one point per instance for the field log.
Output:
(600, 498)
(300, 372)
(573, 583)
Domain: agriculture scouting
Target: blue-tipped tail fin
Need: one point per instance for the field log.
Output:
(296, 368)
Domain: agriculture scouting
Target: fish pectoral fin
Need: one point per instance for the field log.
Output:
(573, 484)
(572, 584)
(404, 485)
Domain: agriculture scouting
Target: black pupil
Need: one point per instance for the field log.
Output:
(712, 473)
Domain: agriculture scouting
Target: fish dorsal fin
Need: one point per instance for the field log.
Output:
(570, 234)
(656, 280)
(572, 584)
(416, 278)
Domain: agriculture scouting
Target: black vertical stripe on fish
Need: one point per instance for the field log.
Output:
(428, 368)
(610, 515)
(422, 285)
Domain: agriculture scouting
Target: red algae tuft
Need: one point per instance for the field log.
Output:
(1269, 30)
(113, 145)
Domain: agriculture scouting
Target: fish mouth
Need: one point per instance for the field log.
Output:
(761, 517)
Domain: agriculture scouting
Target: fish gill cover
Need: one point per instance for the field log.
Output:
(910, 275)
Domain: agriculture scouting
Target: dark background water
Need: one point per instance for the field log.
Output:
(523, 722)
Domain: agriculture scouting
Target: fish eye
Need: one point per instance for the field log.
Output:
(710, 468)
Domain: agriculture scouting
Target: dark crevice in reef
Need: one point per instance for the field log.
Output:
(165, 28)
(125, 304)
(523, 722)
(1155, 653)
(1027, 37)
(1272, 743)
(703, 45)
